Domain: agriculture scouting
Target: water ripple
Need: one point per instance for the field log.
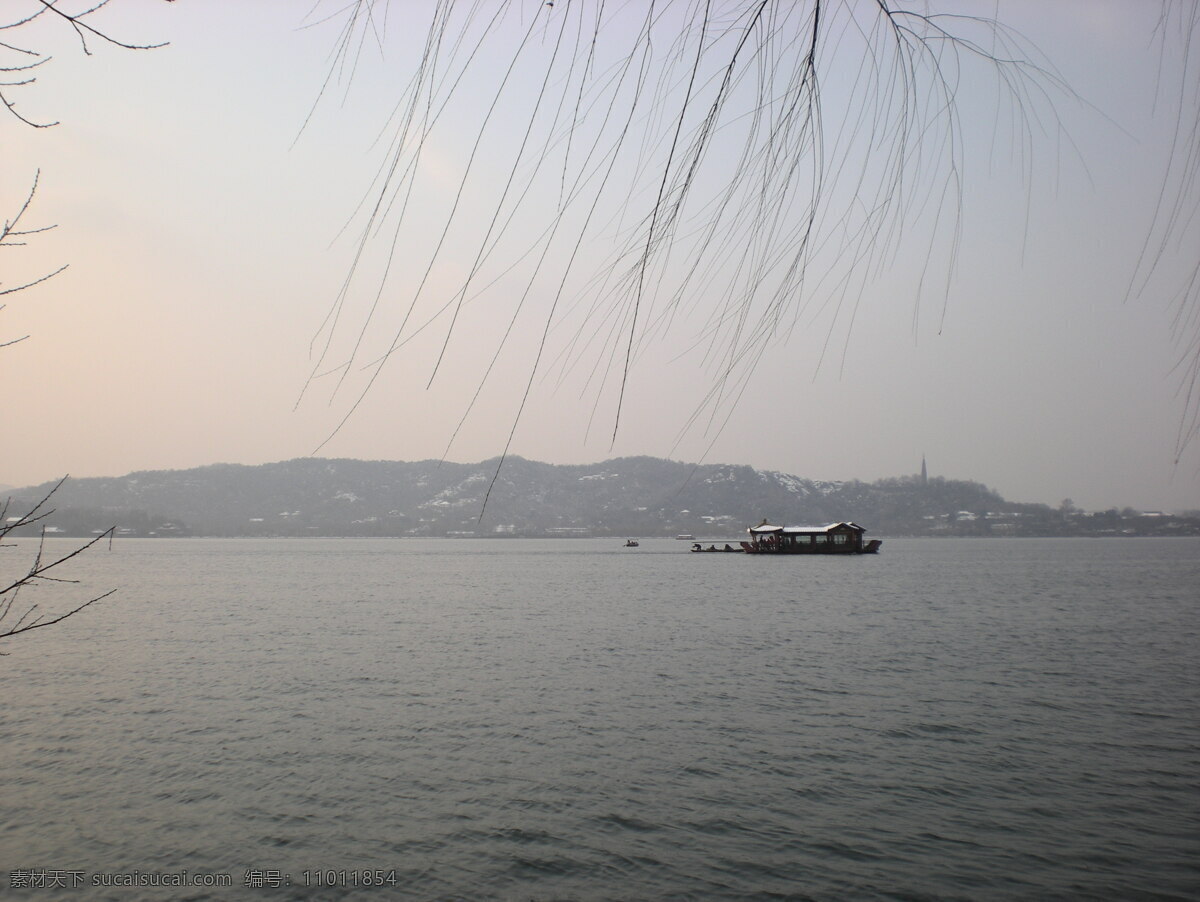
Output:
(951, 720)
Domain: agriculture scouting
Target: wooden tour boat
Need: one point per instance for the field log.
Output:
(834, 538)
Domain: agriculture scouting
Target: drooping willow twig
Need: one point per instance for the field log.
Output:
(1174, 231)
(733, 171)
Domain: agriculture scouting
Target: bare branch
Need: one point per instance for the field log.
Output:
(18, 628)
(79, 23)
(83, 29)
(14, 75)
(39, 570)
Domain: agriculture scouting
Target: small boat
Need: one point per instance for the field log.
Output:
(698, 547)
(685, 537)
(833, 538)
(631, 543)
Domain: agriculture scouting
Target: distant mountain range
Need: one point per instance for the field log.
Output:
(631, 496)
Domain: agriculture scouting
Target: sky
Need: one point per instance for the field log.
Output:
(207, 197)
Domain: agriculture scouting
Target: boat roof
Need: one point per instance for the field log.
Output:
(768, 529)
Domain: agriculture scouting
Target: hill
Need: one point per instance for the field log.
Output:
(633, 496)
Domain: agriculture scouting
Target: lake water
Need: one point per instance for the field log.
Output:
(570, 719)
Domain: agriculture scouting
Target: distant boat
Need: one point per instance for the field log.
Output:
(685, 536)
(631, 543)
(833, 538)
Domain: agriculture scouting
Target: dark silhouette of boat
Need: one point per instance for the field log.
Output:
(833, 538)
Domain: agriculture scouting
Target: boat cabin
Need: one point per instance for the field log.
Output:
(834, 538)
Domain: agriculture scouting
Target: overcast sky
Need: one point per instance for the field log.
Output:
(206, 243)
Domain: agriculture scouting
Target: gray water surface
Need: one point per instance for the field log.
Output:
(570, 719)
